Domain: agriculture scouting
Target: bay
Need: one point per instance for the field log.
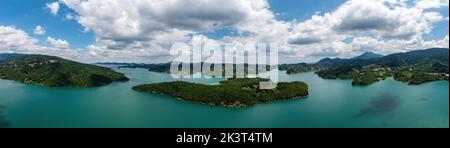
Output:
(332, 103)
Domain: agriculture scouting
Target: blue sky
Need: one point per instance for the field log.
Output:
(441, 29)
(32, 13)
(27, 15)
(302, 9)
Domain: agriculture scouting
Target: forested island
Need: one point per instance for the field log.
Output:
(415, 67)
(53, 71)
(233, 93)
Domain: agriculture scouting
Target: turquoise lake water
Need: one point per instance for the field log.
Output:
(333, 103)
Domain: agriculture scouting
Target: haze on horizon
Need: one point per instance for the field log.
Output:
(144, 30)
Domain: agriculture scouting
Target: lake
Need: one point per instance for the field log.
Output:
(332, 103)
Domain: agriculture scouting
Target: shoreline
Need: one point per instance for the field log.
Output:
(237, 104)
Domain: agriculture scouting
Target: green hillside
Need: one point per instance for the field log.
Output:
(415, 67)
(230, 93)
(56, 72)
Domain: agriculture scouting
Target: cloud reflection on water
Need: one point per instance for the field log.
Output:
(381, 105)
(3, 122)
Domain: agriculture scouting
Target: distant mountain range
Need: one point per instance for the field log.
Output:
(414, 57)
(7, 56)
(415, 67)
(368, 56)
(364, 57)
(54, 71)
(165, 67)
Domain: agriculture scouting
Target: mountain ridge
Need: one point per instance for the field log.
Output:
(414, 67)
(368, 55)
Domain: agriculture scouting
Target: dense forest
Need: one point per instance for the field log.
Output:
(230, 93)
(415, 67)
(54, 71)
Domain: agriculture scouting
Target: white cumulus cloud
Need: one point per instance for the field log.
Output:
(39, 30)
(383, 26)
(150, 27)
(144, 30)
(16, 40)
(12, 39)
(427, 4)
(53, 7)
(58, 43)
